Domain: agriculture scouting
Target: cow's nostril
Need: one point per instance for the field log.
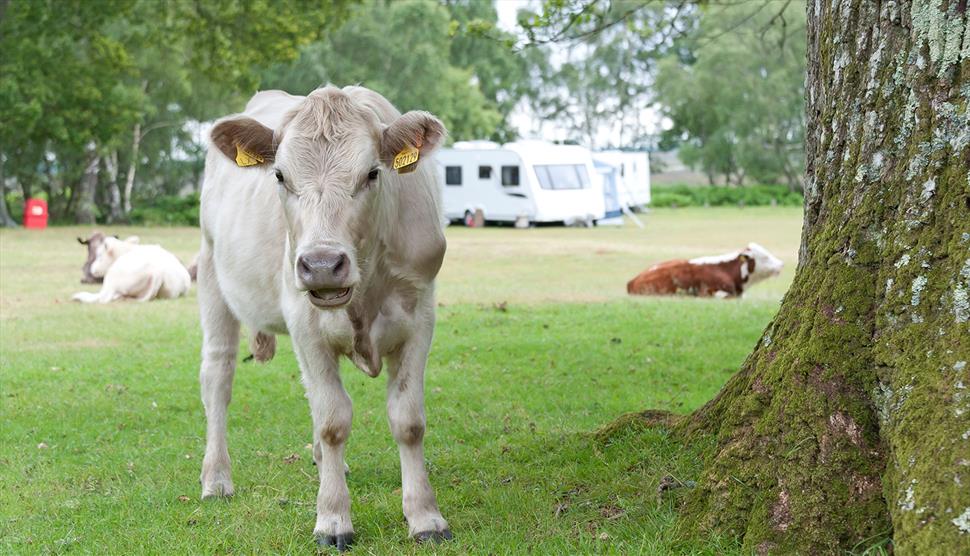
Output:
(340, 264)
(304, 267)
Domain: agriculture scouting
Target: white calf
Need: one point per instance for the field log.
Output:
(133, 271)
(310, 229)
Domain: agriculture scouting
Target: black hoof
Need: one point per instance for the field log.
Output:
(340, 542)
(434, 537)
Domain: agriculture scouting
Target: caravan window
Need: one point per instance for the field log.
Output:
(452, 175)
(562, 176)
(484, 172)
(510, 176)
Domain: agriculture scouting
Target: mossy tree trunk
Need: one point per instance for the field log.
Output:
(849, 424)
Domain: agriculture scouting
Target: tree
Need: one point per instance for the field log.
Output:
(849, 420)
(735, 94)
(504, 76)
(402, 50)
(6, 221)
(849, 424)
(83, 82)
(602, 84)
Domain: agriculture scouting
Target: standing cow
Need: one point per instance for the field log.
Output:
(308, 231)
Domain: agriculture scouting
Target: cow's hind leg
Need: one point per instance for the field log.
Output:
(220, 343)
(332, 413)
(405, 411)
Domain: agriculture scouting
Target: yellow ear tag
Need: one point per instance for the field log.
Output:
(246, 158)
(406, 160)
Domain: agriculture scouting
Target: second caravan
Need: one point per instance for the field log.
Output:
(523, 182)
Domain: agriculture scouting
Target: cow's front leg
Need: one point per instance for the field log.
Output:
(405, 411)
(332, 412)
(220, 342)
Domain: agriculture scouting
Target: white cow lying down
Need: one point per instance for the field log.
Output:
(133, 271)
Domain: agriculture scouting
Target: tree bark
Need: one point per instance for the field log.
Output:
(6, 221)
(849, 424)
(132, 166)
(115, 212)
(85, 208)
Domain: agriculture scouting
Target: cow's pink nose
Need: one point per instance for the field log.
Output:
(323, 268)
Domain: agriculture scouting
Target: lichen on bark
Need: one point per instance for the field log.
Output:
(850, 421)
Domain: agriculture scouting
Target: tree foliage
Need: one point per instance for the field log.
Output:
(79, 80)
(600, 84)
(735, 94)
(419, 54)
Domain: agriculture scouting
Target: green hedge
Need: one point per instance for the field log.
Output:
(710, 196)
(168, 211)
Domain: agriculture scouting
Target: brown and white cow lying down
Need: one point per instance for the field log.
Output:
(133, 271)
(308, 231)
(726, 275)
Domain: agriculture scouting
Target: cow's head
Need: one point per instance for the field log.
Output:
(92, 243)
(108, 252)
(327, 159)
(760, 263)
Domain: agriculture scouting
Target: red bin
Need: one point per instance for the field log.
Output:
(35, 214)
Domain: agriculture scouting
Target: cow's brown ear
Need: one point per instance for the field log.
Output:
(82, 241)
(245, 141)
(414, 129)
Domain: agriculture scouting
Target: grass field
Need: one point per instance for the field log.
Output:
(537, 345)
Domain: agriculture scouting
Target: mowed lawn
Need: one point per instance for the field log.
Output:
(537, 346)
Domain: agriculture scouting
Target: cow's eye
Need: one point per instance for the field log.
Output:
(279, 176)
(372, 175)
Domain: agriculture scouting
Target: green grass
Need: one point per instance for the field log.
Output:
(513, 392)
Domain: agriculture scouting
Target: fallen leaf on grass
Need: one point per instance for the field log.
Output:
(292, 458)
(183, 498)
(561, 508)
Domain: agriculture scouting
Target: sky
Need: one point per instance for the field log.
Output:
(506, 12)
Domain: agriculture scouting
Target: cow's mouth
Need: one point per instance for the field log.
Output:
(328, 298)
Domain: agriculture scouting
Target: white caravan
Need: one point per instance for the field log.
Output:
(633, 167)
(525, 181)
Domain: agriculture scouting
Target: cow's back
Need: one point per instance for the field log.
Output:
(660, 279)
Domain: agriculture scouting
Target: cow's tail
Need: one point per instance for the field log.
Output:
(262, 347)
